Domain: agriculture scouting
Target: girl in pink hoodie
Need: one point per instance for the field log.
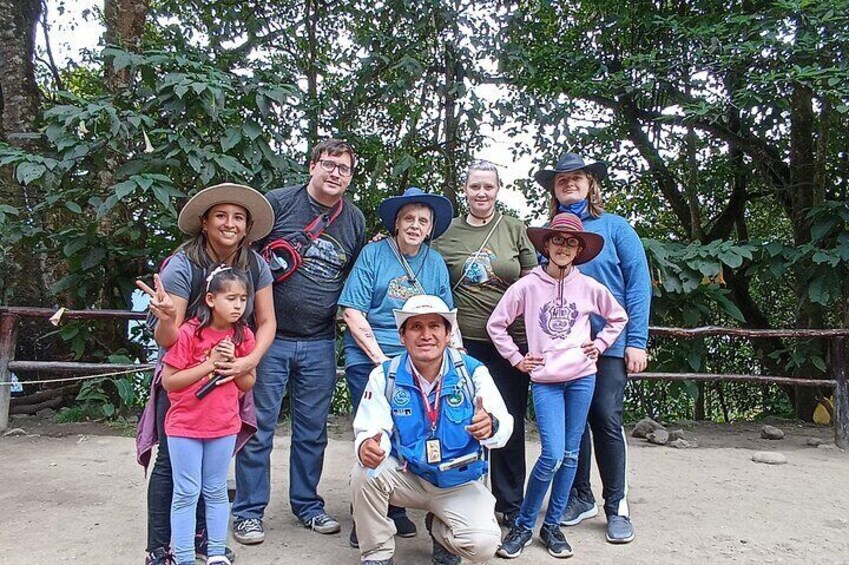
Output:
(557, 302)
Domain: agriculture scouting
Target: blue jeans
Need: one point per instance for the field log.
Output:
(357, 377)
(309, 370)
(199, 465)
(561, 410)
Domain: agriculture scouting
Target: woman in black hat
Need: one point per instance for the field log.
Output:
(220, 221)
(385, 275)
(622, 267)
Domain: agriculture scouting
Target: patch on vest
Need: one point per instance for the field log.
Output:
(402, 411)
(401, 397)
(455, 400)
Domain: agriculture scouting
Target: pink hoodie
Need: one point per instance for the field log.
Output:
(557, 322)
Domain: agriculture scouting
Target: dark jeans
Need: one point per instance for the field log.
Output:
(507, 465)
(357, 377)
(160, 488)
(608, 438)
(308, 369)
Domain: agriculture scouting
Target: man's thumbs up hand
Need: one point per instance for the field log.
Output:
(481, 426)
(371, 454)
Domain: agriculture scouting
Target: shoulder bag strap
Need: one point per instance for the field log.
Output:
(316, 227)
(411, 276)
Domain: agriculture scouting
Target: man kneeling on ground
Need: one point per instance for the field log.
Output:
(424, 418)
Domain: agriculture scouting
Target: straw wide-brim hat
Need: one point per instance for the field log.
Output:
(568, 225)
(567, 163)
(443, 211)
(262, 215)
(422, 304)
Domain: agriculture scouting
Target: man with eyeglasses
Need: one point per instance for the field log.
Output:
(303, 355)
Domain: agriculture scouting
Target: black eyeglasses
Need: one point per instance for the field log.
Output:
(329, 166)
(568, 241)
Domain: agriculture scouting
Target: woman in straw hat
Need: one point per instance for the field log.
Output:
(557, 301)
(622, 267)
(220, 221)
(385, 275)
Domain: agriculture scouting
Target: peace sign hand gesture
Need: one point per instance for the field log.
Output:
(161, 304)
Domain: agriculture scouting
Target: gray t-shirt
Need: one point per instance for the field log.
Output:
(177, 279)
(306, 302)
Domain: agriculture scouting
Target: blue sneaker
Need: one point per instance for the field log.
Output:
(517, 539)
(619, 529)
(578, 510)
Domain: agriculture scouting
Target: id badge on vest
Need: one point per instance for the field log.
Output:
(433, 450)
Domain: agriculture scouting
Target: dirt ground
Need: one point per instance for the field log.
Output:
(73, 493)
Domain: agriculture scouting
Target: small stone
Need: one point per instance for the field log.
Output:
(680, 443)
(644, 427)
(46, 413)
(827, 447)
(769, 457)
(15, 432)
(658, 437)
(676, 434)
(814, 441)
(771, 432)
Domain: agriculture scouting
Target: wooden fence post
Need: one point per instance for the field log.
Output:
(8, 337)
(841, 392)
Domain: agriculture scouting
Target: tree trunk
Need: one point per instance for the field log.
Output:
(125, 29)
(20, 106)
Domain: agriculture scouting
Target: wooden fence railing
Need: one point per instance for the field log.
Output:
(837, 362)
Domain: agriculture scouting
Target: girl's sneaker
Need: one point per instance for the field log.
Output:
(160, 556)
(517, 539)
(218, 560)
(555, 541)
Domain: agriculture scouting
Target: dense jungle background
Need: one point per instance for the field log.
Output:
(725, 123)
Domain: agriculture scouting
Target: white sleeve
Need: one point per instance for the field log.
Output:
(493, 403)
(374, 414)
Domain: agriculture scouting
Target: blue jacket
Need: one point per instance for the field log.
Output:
(623, 268)
(412, 428)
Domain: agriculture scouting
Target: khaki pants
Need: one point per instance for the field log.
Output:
(464, 516)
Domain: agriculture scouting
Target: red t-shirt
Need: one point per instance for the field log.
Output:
(217, 414)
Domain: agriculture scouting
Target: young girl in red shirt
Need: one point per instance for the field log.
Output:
(203, 420)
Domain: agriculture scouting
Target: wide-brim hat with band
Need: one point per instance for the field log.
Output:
(567, 163)
(262, 215)
(443, 211)
(424, 304)
(568, 225)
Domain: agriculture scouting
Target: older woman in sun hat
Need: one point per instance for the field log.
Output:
(574, 186)
(385, 275)
(220, 221)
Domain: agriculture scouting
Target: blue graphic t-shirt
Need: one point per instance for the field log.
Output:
(378, 283)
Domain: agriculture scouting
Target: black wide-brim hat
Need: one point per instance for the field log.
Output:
(443, 211)
(567, 163)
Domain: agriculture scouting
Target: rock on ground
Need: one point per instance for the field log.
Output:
(679, 443)
(676, 434)
(644, 427)
(769, 457)
(771, 432)
(659, 437)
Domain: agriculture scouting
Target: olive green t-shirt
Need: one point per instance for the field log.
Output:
(485, 275)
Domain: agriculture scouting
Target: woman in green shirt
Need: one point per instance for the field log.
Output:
(486, 252)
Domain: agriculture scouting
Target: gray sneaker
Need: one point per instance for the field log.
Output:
(376, 562)
(577, 511)
(619, 529)
(322, 523)
(248, 531)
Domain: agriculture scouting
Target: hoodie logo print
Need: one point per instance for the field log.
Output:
(556, 318)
